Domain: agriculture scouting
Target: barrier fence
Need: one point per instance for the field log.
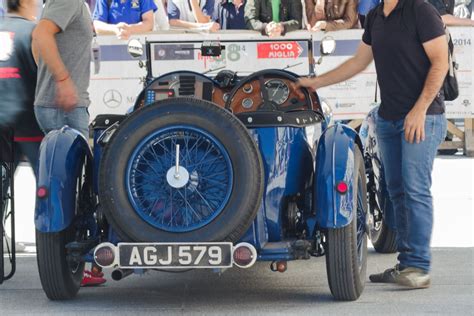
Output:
(114, 89)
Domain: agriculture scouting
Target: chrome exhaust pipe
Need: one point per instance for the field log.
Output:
(120, 274)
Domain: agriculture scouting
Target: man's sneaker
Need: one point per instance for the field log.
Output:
(413, 278)
(90, 280)
(388, 276)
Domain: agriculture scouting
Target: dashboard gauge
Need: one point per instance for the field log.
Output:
(278, 91)
(248, 88)
(225, 97)
(247, 103)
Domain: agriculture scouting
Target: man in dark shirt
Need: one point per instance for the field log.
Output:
(274, 17)
(411, 58)
(18, 79)
(230, 14)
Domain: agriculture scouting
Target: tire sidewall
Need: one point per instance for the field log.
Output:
(118, 208)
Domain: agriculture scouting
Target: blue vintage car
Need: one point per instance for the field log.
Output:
(207, 173)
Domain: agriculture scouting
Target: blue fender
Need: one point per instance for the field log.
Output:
(334, 163)
(62, 156)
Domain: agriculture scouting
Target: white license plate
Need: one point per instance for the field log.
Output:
(175, 255)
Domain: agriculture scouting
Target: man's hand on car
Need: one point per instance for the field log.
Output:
(307, 82)
(66, 94)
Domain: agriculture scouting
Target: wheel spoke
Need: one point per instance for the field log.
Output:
(200, 200)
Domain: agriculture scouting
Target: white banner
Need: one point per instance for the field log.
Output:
(114, 89)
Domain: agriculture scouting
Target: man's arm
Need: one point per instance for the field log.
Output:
(211, 26)
(103, 28)
(44, 42)
(451, 20)
(252, 16)
(198, 14)
(437, 52)
(185, 24)
(345, 71)
(146, 25)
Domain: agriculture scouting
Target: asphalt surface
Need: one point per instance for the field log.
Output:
(302, 290)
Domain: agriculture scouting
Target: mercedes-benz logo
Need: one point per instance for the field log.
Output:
(112, 99)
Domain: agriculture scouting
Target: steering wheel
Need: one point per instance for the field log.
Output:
(257, 93)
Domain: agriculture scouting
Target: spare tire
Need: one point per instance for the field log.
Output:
(212, 193)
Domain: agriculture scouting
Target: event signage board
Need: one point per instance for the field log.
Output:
(113, 90)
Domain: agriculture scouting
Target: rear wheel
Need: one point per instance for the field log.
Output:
(60, 278)
(384, 239)
(346, 253)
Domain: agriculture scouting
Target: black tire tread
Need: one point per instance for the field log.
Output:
(257, 179)
(57, 281)
(344, 280)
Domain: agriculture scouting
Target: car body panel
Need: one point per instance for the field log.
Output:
(62, 157)
(335, 163)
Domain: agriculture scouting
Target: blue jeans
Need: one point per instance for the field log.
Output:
(408, 170)
(51, 118)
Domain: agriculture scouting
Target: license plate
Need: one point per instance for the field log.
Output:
(175, 255)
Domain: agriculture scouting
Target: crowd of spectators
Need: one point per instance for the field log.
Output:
(270, 17)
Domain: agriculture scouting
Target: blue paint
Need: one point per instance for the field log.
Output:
(62, 156)
(335, 163)
(288, 160)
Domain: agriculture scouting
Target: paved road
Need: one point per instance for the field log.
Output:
(302, 290)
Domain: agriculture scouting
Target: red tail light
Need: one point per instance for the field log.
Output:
(42, 192)
(342, 187)
(244, 255)
(104, 256)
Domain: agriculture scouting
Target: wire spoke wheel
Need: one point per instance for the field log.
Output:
(200, 185)
(181, 170)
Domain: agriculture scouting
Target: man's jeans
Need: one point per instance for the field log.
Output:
(51, 118)
(408, 170)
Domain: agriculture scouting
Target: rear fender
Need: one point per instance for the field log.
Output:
(334, 163)
(63, 154)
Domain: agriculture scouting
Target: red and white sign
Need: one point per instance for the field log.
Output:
(279, 50)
